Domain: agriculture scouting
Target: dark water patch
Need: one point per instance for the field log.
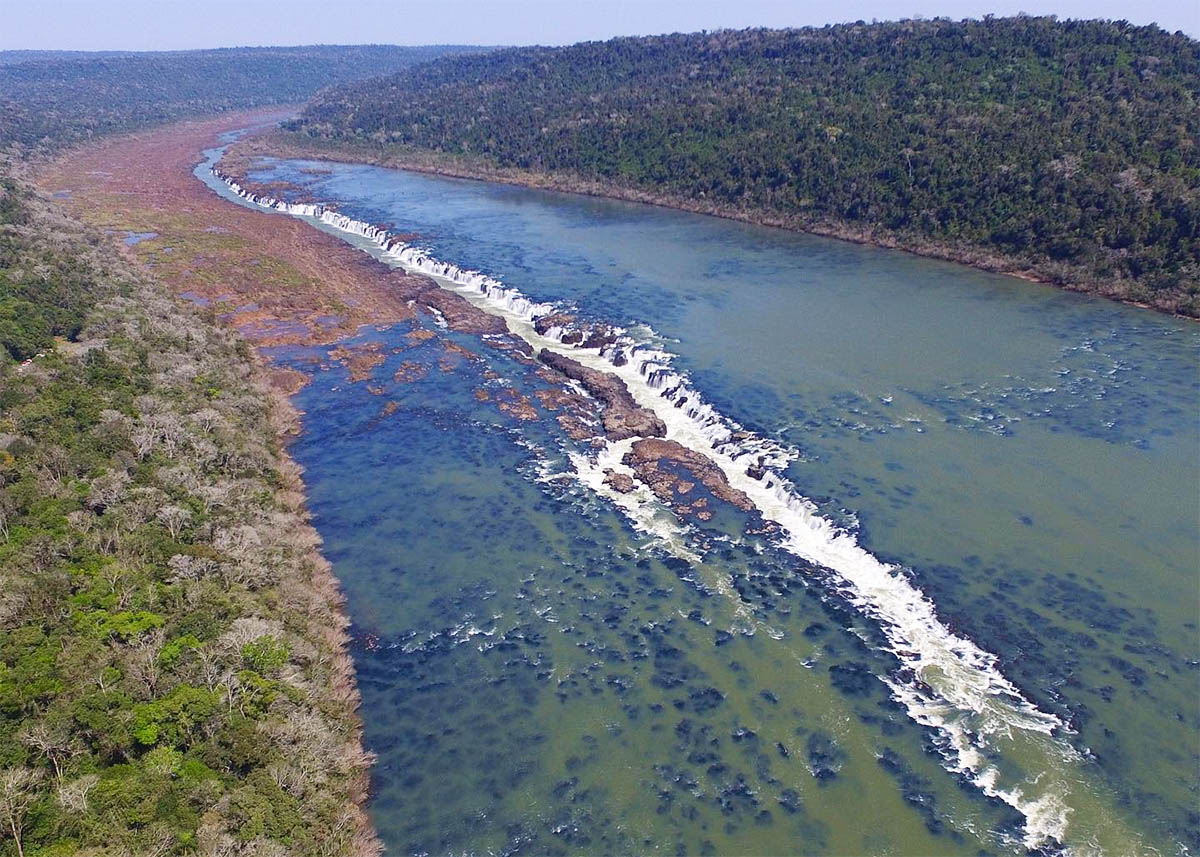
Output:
(133, 238)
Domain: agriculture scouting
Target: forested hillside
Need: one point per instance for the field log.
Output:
(172, 669)
(47, 97)
(1067, 150)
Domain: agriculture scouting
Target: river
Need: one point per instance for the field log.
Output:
(973, 630)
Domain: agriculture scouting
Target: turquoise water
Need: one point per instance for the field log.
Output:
(540, 677)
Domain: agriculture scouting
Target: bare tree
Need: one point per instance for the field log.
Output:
(18, 789)
(171, 431)
(54, 744)
(55, 461)
(211, 667)
(143, 438)
(159, 840)
(181, 476)
(73, 796)
(184, 567)
(207, 418)
(142, 661)
(141, 505)
(213, 496)
(174, 518)
(8, 510)
(107, 489)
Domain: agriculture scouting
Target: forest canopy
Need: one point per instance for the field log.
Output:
(1066, 148)
(58, 97)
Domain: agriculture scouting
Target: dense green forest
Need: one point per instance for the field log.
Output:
(173, 674)
(57, 98)
(172, 668)
(1067, 149)
(16, 56)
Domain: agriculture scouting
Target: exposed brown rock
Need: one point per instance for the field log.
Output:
(276, 279)
(577, 428)
(515, 404)
(622, 417)
(600, 336)
(646, 457)
(621, 482)
(459, 313)
(556, 319)
(461, 350)
(361, 360)
(556, 398)
(287, 380)
(410, 371)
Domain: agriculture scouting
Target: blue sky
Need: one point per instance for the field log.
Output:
(174, 24)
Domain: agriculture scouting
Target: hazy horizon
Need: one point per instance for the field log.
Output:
(146, 25)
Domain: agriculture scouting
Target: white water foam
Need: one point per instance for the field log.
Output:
(946, 682)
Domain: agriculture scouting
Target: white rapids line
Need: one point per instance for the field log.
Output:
(946, 682)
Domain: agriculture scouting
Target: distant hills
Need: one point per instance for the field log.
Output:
(48, 98)
(1064, 150)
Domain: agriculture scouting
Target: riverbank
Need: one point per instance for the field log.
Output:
(292, 145)
(274, 282)
(248, 279)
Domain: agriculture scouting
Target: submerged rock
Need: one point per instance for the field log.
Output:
(824, 756)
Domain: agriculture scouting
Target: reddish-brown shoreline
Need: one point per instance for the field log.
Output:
(275, 279)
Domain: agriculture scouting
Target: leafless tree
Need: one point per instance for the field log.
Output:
(142, 663)
(210, 664)
(8, 509)
(184, 567)
(208, 418)
(171, 431)
(143, 438)
(140, 505)
(56, 461)
(73, 796)
(18, 789)
(158, 840)
(54, 744)
(107, 489)
(174, 518)
(180, 476)
(215, 496)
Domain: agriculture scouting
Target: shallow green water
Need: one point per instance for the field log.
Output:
(1030, 456)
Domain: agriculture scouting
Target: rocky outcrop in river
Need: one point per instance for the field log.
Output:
(651, 459)
(623, 418)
